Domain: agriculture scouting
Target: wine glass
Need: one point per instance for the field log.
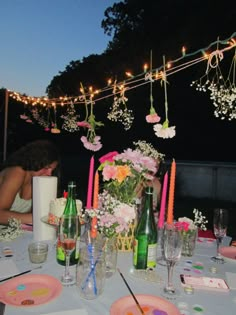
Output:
(220, 222)
(68, 234)
(172, 242)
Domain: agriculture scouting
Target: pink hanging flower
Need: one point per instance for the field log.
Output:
(24, 117)
(93, 146)
(153, 118)
(46, 129)
(84, 124)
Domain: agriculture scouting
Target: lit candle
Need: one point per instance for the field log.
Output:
(170, 208)
(90, 184)
(163, 202)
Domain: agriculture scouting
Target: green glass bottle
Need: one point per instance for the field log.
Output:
(70, 209)
(145, 243)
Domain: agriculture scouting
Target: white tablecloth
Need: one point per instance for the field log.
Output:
(213, 303)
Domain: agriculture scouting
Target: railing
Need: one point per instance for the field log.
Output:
(213, 180)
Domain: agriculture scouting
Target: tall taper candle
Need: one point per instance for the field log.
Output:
(163, 202)
(93, 231)
(90, 184)
(170, 216)
(96, 190)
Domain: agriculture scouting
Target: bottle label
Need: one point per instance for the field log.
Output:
(60, 252)
(145, 254)
(152, 256)
(135, 257)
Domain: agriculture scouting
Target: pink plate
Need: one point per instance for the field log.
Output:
(229, 253)
(151, 305)
(30, 290)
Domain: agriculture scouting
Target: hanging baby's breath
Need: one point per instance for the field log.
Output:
(119, 111)
(70, 120)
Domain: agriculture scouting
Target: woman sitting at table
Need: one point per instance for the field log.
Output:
(38, 158)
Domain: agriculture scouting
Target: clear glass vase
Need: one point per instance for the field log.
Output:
(189, 242)
(110, 250)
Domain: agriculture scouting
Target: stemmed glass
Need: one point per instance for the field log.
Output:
(68, 234)
(220, 222)
(172, 242)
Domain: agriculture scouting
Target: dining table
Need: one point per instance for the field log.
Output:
(68, 301)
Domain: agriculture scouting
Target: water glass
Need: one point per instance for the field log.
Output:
(91, 272)
(38, 252)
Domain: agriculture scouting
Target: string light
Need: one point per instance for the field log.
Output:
(62, 100)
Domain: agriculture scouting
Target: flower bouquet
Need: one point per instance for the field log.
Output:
(189, 229)
(121, 174)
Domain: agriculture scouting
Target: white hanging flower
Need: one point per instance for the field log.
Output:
(164, 131)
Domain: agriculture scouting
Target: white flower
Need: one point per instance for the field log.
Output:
(162, 132)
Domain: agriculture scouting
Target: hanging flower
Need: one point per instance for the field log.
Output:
(24, 117)
(55, 130)
(84, 124)
(153, 118)
(164, 131)
(93, 146)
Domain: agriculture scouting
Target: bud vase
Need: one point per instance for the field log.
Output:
(110, 249)
(189, 242)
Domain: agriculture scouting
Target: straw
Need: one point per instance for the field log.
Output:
(134, 297)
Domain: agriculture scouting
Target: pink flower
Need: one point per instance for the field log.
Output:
(84, 124)
(109, 172)
(95, 146)
(24, 117)
(125, 211)
(153, 118)
(109, 157)
(46, 129)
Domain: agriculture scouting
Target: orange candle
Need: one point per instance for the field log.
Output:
(95, 191)
(170, 216)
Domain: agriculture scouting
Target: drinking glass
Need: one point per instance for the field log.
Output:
(172, 242)
(220, 222)
(68, 234)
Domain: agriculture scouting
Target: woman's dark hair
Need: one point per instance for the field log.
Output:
(34, 156)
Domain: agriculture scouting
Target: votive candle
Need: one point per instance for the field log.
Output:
(163, 202)
(90, 184)
(170, 216)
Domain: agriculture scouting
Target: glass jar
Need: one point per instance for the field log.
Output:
(189, 242)
(91, 272)
(110, 249)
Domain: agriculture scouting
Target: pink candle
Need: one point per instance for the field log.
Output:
(163, 202)
(90, 184)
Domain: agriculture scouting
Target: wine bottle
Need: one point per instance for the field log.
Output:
(145, 242)
(70, 209)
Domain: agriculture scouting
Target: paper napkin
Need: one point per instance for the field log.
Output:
(231, 280)
(7, 268)
(71, 312)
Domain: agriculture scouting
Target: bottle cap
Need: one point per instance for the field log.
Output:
(149, 190)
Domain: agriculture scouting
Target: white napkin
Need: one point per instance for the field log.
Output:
(44, 190)
(71, 312)
(7, 268)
